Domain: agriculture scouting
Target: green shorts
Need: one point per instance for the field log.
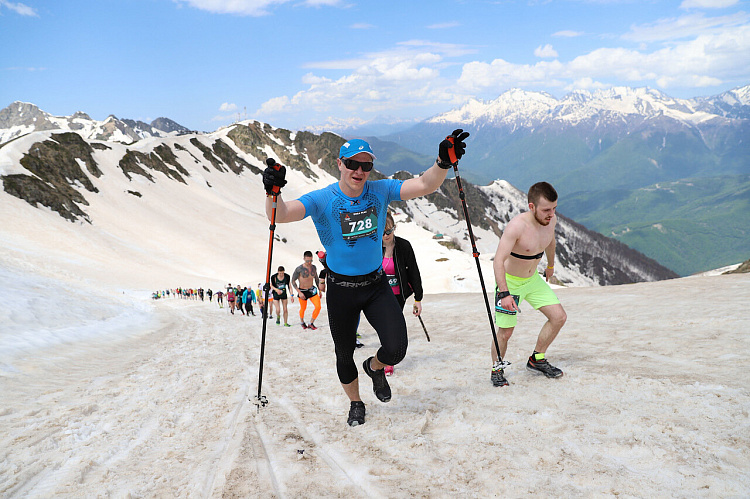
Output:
(534, 290)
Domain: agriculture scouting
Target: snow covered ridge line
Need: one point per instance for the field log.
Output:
(21, 118)
(76, 178)
(527, 108)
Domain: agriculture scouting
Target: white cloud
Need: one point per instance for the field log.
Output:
(684, 27)
(479, 76)
(706, 60)
(447, 49)
(586, 84)
(227, 107)
(320, 3)
(311, 79)
(707, 4)
(361, 26)
(546, 52)
(275, 105)
(568, 34)
(407, 76)
(249, 7)
(19, 8)
(242, 7)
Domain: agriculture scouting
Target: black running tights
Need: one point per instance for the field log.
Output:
(382, 311)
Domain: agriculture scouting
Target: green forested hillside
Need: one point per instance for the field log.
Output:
(688, 225)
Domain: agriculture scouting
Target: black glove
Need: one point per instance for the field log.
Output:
(451, 149)
(273, 177)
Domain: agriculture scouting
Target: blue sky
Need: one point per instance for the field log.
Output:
(300, 63)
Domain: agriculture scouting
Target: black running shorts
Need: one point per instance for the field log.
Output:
(345, 303)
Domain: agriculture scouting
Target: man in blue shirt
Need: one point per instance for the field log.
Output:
(349, 216)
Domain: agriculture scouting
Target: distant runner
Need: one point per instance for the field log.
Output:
(231, 298)
(279, 285)
(305, 281)
(525, 240)
(248, 297)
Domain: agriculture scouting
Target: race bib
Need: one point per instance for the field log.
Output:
(499, 307)
(392, 281)
(359, 224)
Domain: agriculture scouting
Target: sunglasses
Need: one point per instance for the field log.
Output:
(390, 231)
(354, 165)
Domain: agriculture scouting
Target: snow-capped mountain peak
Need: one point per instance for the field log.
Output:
(518, 106)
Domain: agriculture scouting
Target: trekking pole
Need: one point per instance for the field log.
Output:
(461, 195)
(261, 400)
(424, 328)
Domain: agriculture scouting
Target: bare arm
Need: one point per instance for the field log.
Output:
(550, 252)
(295, 276)
(291, 211)
(315, 276)
(426, 183)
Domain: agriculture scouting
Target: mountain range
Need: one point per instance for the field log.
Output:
(20, 118)
(616, 138)
(599, 149)
(160, 183)
(608, 144)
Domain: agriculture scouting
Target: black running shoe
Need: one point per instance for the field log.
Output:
(356, 413)
(544, 367)
(312, 326)
(379, 383)
(498, 378)
(360, 344)
(304, 326)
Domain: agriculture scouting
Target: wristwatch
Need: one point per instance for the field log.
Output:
(503, 294)
(444, 166)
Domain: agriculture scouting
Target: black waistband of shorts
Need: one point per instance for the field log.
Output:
(357, 279)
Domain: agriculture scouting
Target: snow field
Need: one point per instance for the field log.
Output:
(653, 402)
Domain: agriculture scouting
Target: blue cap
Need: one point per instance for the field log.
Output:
(355, 146)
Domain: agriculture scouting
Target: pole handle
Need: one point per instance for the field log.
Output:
(452, 150)
(276, 166)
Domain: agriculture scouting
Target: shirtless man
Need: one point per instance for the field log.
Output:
(306, 274)
(527, 238)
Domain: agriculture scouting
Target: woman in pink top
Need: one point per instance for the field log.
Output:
(400, 267)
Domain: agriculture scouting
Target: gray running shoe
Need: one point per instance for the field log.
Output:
(379, 383)
(498, 378)
(544, 367)
(356, 414)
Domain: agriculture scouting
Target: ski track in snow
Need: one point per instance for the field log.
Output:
(648, 406)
